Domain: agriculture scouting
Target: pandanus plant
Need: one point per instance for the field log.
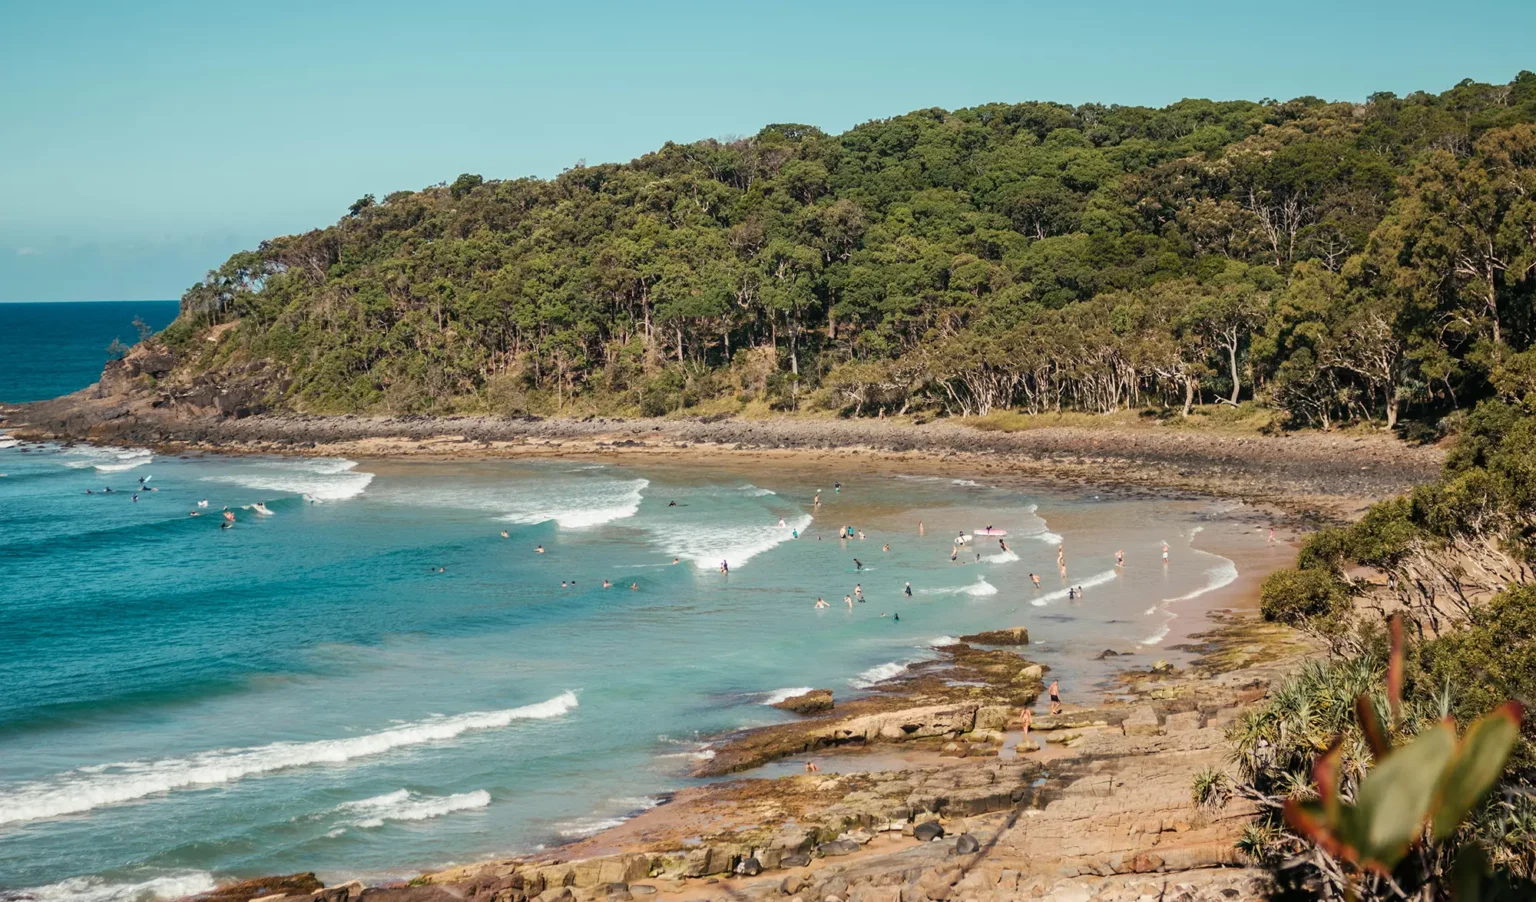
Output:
(1425, 787)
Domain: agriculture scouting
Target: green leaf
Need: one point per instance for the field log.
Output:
(1394, 799)
(1477, 766)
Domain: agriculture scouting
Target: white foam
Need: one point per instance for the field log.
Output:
(1098, 579)
(589, 826)
(879, 674)
(8, 443)
(1002, 557)
(1046, 536)
(174, 885)
(1217, 577)
(107, 458)
(942, 641)
(967, 483)
(752, 491)
(782, 695)
(598, 503)
(76, 791)
(321, 478)
(707, 546)
(978, 588)
(404, 805)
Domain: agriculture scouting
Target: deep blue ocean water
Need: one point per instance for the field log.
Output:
(307, 690)
(47, 350)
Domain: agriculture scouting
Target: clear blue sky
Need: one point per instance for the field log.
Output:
(141, 143)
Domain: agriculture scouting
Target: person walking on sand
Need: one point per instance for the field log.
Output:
(1055, 697)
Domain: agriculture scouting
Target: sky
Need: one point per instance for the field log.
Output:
(142, 143)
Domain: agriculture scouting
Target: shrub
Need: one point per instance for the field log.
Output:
(1295, 596)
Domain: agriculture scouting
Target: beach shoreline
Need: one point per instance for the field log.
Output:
(1192, 467)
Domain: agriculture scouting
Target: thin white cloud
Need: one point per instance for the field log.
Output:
(28, 252)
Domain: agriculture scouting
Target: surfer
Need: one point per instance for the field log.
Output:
(858, 564)
(227, 524)
(203, 503)
(672, 503)
(907, 591)
(1003, 545)
(89, 492)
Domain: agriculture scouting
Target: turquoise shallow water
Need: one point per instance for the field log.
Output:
(181, 703)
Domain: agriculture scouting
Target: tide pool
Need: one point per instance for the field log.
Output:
(370, 680)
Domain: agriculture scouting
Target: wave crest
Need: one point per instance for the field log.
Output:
(321, 478)
(86, 789)
(404, 805)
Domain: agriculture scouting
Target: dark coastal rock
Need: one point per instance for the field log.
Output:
(1108, 653)
(749, 867)
(837, 847)
(928, 831)
(292, 885)
(792, 884)
(797, 860)
(814, 702)
(1017, 635)
(966, 844)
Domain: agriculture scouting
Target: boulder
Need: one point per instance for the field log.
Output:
(1017, 635)
(792, 884)
(1182, 722)
(837, 847)
(954, 750)
(816, 701)
(1108, 653)
(909, 723)
(928, 831)
(1031, 673)
(966, 844)
(749, 867)
(292, 884)
(796, 860)
(994, 717)
(1142, 722)
(1161, 666)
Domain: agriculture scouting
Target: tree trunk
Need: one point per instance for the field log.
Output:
(1189, 395)
(1391, 409)
(1236, 386)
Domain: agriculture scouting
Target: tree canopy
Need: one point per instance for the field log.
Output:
(1335, 261)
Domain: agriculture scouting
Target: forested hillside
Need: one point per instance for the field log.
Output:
(1333, 261)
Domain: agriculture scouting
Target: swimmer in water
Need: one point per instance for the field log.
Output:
(504, 534)
(607, 584)
(781, 522)
(229, 515)
(671, 504)
(674, 560)
(886, 547)
(193, 514)
(1120, 558)
(896, 617)
(226, 525)
(821, 602)
(861, 535)
(848, 600)
(1003, 545)
(794, 533)
(920, 528)
(907, 591)
(89, 492)
(1071, 593)
(954, 555)
(724, 567)
(837, 487)
(539, 550)
(1035, 578)
(858, 591)
(817, 500)
(634, 587)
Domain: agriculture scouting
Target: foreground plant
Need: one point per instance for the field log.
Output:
(1419, 792)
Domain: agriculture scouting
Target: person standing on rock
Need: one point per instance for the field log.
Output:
(1055, 697)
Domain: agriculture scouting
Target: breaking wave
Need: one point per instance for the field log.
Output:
(85, 789)
(321, 478)
(107, 459)
(976, 589)
(707, 546)
(1098, 579)
(784, 695)
(1217, 577)
(404, 805)
(174, 885)
(879, 674)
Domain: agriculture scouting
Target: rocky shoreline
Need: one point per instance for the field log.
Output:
(1322, 475)
(1100, 809)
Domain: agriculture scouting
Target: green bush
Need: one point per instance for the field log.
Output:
(1296, 596)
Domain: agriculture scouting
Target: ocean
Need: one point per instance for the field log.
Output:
(368, 679)
(47, 350)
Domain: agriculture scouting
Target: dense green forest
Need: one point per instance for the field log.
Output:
(1335, 262)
